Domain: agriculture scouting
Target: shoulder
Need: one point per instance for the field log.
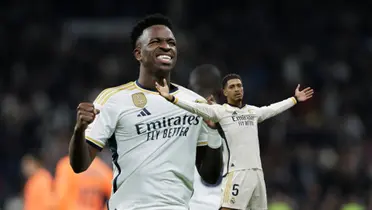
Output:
(63, 163)
(42, 176)
(185, 92)
(251, 107)
(113, 93)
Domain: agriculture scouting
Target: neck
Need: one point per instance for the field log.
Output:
(148, 80)
(238, 103)
(33, 171)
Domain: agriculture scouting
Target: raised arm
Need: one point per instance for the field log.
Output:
(95, 125)
(80, 153)
(267, 112)
(204, 110)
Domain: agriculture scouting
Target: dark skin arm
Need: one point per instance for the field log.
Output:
(209, 164)
(209, 161)
(82, 154)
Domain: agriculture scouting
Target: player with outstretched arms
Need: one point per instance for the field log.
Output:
(244, 186)
(153, 143)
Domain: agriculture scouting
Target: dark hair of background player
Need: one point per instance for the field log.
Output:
(229, 77)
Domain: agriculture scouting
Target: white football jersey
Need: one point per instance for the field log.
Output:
(205, 197)
(153, 144)
(239, 126)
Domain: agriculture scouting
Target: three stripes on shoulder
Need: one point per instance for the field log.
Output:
(104, 96)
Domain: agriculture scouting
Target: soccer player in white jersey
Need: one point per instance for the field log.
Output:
(206, 81)
(244, 187)
(153, 142)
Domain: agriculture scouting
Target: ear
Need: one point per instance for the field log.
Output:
(137, 53)
(224, 92)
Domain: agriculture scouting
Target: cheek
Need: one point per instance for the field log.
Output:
(145, 54)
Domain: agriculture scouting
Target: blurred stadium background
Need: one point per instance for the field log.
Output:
(55, 54)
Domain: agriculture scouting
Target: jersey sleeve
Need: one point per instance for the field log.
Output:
(103, 127)
(267, 112)
(207, 111)
(206, 133)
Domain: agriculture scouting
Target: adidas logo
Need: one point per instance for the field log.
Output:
(234, 113)
(143, 113)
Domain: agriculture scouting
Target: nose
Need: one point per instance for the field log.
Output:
(164, 46)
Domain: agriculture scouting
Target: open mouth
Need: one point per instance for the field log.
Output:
(166, 59)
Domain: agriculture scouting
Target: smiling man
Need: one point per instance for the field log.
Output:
(154, 143)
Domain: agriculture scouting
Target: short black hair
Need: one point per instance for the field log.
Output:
(148, 21)
(229, 77)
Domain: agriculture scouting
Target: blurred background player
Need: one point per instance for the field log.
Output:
(244, 187)
(38, 187)
(153, 142)
(206, 81)
(85, 191)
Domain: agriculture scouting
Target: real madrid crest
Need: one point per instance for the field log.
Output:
(139, 100)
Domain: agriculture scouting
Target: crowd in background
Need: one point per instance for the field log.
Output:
(316, 156)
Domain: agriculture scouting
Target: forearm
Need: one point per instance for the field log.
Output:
(211, 165)
(277, 108)
(204, 110)
(79, 154)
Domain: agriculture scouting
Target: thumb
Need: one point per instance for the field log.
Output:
(298, 87)
(96, 111)
(164, 82)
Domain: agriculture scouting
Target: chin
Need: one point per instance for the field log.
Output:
(239, 99)
(164, 68)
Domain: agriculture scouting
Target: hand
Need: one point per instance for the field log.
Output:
(304, 94)
(211, 100)
(163, 90)
(210, 123)
(86, 113)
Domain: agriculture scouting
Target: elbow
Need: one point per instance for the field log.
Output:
(212, 180)
(211, 177)
(77, 168)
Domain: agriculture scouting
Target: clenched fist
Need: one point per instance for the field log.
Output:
(86, 113)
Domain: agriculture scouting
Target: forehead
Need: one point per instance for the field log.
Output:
(233, 82)
(158, 31)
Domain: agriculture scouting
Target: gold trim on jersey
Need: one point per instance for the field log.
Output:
(294, 100)
(144, 90)
(203, 143)
(99, 144)
(139, 100)
(228, 186)
(107, 93)
(153, 92)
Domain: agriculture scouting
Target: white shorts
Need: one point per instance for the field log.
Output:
(244, 190)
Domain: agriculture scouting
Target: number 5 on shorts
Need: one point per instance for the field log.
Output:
(235, 190)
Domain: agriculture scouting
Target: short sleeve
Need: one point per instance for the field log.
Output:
(103, 127)
(205, 134)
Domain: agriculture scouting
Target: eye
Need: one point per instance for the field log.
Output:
(154, 41)
(173, 43)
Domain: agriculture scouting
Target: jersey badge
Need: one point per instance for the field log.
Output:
(139, 100)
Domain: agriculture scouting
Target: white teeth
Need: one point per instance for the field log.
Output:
(164, 57)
